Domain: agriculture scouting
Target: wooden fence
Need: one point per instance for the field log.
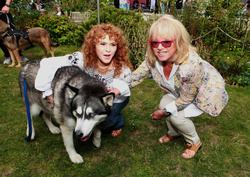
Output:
(78, 17)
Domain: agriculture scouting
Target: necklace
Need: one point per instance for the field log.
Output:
(103, 71)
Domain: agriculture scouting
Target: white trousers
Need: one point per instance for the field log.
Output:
(179, 124)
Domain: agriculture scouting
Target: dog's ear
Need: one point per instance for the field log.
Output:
(72, 90)
(108, 99)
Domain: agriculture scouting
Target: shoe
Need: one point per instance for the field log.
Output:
(116, 133)
(191, 150)
(166, 138)
(24, 59)
(7, 61)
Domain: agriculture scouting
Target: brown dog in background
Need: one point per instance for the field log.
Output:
(36, 35)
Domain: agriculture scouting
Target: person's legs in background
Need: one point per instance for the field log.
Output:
(127, 6)
(7, 55)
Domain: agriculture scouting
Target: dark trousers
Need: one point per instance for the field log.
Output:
(117, 3)
(115, 120)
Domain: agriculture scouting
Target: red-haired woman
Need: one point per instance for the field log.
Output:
(104, 56)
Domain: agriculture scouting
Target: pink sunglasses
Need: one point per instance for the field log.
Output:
(165, 44)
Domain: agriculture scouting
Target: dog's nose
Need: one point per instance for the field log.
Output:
(79, 133)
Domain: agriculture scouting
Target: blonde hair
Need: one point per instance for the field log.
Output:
(168, 26)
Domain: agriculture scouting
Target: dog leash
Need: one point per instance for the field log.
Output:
(28, 110)
(7, 18)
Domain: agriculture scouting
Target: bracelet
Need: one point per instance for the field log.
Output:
(7, 5)
(166, 112)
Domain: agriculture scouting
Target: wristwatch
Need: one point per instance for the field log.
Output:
(7, 5)
(166, 112)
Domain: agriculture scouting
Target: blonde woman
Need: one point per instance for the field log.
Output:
(191, 85)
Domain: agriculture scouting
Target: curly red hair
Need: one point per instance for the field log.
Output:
(92, 38)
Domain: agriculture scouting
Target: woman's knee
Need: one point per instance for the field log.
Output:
(178, 120)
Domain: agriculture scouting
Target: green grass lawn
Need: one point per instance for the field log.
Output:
(225, 150)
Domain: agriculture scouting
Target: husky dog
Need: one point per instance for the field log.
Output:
(81, 103)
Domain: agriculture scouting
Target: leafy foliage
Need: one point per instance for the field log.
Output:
(23, 16)
(235, 70)
(216, 28)
(136, 33)
(76, 5)
(110, 14)
(224, 33)
(61, 29)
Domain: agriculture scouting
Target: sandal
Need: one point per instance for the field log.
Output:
(116, 133)
(191, 150)
(166, 138)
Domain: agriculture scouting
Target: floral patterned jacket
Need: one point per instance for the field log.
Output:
(195, 81)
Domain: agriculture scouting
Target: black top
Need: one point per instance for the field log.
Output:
(135, 2)
(2, 3)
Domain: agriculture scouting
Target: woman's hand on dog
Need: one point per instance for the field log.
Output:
(157, 115)
(50, 100)
(115, 91)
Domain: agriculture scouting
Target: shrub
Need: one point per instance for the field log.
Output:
(61, 29)
(136, 34)
(23, 16)
(202, 21)
(76, 5)
(204, 51)
(110, 14)
(233, 66)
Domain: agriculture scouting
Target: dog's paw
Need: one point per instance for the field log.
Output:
(76, 158)
(32, 134)
(55, 130)
(97, 142)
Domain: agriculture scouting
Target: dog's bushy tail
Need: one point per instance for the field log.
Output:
(54, 44)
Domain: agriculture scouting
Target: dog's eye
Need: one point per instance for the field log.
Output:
(91, 114)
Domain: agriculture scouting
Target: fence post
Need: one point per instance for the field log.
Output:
(215, 36)
(98, 11)
(245, 39)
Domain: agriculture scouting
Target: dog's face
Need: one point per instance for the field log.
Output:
(89, 109)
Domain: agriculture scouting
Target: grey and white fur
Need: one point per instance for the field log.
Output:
(81, 103)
